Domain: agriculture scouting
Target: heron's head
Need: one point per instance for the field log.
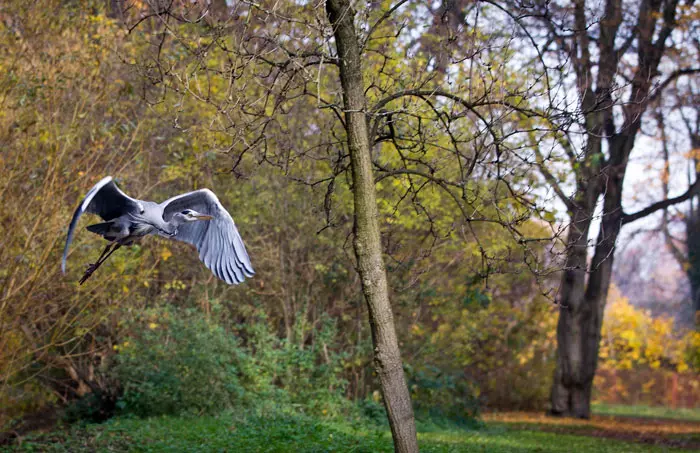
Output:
(190, 215)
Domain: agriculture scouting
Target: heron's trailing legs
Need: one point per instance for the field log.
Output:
(111, 248)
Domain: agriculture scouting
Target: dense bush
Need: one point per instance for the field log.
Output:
(170, 362)
(631, 337)
(492, 348)
(304, 370)
(179, 363)
(644, 359)
(441, 394)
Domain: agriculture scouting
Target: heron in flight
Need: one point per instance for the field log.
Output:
(197, 218)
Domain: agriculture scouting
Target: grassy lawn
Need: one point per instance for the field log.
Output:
(297, 433)
(647, 411)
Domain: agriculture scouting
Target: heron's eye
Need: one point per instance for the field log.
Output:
(185, 212)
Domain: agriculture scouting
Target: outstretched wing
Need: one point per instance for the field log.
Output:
(220, 246)
(106, 200)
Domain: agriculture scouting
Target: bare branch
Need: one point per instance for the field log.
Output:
(552, 181)
(693, 190)
(384, 17)
(670, 79)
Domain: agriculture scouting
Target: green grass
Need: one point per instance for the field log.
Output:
(647, 411)
(298, 433)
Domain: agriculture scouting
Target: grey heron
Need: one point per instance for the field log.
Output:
(197, 218)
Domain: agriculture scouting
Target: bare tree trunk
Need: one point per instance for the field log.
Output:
(583, 302)
(582, 305)
(367, 242)
(568, 388)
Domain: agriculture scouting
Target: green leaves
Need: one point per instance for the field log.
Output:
(180, 364)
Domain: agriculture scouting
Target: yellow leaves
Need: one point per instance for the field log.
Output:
(44, 136)
(693, 154)
(631, 337)
(165, 253)
(118, 347)
(152, 326)
(175, 285)
(443, 328)
(417, 330)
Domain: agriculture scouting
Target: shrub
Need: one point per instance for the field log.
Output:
(181, 363)
(440, 394)
(170, 363)
(480, 350)
(305, 370)
(645, 359)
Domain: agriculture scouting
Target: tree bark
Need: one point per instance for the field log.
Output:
(583, 302)
(569, 386)
(367, 242)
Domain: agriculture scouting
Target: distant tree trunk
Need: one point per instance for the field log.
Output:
(582, 301)
(367, 242)
(569, 392)
(693, 264)
(689, 257)
(692, 232)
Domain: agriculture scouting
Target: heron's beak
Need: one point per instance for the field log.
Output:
(204, 217)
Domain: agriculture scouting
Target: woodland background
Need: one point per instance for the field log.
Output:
(153, 332)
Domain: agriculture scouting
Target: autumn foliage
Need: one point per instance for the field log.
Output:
(646, 360)
(475, 333)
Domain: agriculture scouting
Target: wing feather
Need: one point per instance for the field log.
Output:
(228, 275)
(106, 200)
(218, 241)
(228, 270)
(208, 248)
(220, 259)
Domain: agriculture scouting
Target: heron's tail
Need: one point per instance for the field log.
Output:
(103, 229)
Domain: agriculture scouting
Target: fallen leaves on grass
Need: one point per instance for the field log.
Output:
(656, 431)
